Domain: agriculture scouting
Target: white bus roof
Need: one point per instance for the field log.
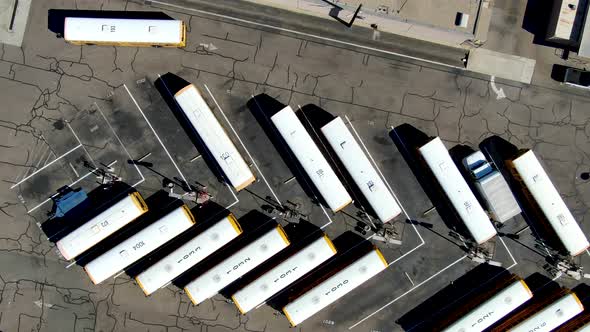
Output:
(100, 227)
(493, 309)
(284, 274)
(312, 160)
(361, 170)
(453, 184)
(552, 316)
(335, 287)
(189, 254)
(214, 136)
(552, 205)
(112, 30)
(235, 266)
(139, 244)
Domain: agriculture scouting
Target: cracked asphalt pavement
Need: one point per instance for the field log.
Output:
(50, 89)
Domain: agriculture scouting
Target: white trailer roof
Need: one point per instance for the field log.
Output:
(139, 244)
(114, 30)
(214, 136)
(312, 160)
(284, 274)
(453, 184)
(362, 171)
(189, 254)
(493, 309)
(100, 227)
(552, 316)
(552, 205)
(335, 287)
(235, 266)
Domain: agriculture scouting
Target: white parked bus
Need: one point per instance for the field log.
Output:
(189, 254)
(311, 158)
(204, 122)
(456, 189)
(361, 170)
(545, 194)
(124, 32)
(335, 287)
(100, 227)
(550, 317)
(235, 266)
(140, 244)
(284, 274)
(492, 310)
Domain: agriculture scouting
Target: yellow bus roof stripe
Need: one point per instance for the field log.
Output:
(381, 257)
(234, 222)
(237, 305)
(526, 287)
(330, 244)
(138, 201)
(577, 300)
(185, 89)
(246, 183)
(282, 234)
(343, 206)
(188, 214)
(288, 317)
(190, 296)
(141, 286)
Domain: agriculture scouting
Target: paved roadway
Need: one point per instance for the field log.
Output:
(63, 103)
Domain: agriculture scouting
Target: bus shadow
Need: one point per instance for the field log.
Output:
(56, 17)
(262, 107)
(300, 235)
(159, 204)
(314, 118)
(500, 151)
(98, 200)
(349, 246)
(169, 84)
(407, 140)
(205, 217)
(254, 224)
(456, 299)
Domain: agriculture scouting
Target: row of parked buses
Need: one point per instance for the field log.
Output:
(254, 250)
(528, 170)
(511, 306)
(325, 290)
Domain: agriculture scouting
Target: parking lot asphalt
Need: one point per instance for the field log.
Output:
(68, 109)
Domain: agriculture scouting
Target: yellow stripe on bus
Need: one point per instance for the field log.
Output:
(237, 305)
(381, 257)
(526, 287)
(330, 244)
(141, 286)
(234, 222)
(288, 317)
(138, 201)
(188, 214)
(282, 234)
(190, 296)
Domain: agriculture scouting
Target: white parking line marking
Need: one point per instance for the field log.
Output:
(242, 144)
(144, 157)
(120, 142)
(408, 292)
(83, 147)
(44, 167)
(514, 262)
(308, 35)
(156, 134)
(195, 158)
(74, 169)
(407, 275)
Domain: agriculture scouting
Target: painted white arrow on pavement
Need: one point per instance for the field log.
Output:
(209, 47)
(39, 303)
(499, 92)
